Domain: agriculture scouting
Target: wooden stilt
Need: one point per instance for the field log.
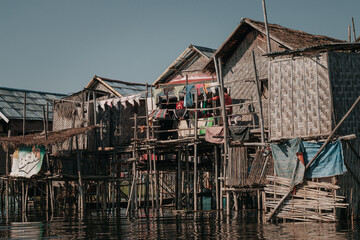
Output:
(217, 190)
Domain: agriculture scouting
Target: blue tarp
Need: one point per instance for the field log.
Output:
(286, 163)
(330, 161)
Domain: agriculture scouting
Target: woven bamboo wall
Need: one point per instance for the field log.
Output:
(239, 74)
(344, 72)
(62, 119)
(299, 102)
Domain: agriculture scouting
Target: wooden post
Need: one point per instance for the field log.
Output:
(353, 24)
(226, 146)
(24, 115)
(196, 154)
(81, 192)
(178, 185)
(148, 162)
(44, 122)
(47, 117)
(259, 98)
(266, 26)
(349, 34)
(7, 180)
(217, 190)
(187, 176)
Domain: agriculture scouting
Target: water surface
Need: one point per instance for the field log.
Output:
(201, 225)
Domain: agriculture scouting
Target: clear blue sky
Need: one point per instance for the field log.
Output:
(59, 45)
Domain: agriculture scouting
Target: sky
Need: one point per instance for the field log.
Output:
(59, 45)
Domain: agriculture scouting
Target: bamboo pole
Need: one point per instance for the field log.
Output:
(349, 33)
(217, 190)
(81, 192)
(24, 115)
(257, 82)
(7, 180)
(315, 156)
(266, 26)
(44, 122)
(353, 25)
(196, 155)
(178, 185)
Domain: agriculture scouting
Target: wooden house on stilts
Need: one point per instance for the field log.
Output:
(282, 97)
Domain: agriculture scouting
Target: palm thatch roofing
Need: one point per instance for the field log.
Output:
(287, 38)
(40, 139)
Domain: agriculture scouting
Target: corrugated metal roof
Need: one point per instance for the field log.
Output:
(124, 88)
(182, 61)
(12, 103)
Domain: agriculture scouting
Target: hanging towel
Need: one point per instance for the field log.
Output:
(115, 102)
(209, 123)
(123, 101)
(189, 102)
(205, 89)
(109, 102)
(198, 87)
(155, 93)
(214, 134)
(137, 98)
(177, 90)
(102, 104)
(239, 133)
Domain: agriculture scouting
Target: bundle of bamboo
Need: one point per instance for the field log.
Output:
(312, 201)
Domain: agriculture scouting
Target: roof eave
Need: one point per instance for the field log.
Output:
(4, 117)
(169, 69)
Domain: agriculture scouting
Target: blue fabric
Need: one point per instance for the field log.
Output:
(330, 161)
(188, 101)
(286, 163)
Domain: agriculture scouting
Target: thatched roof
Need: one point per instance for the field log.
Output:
(291, 38)
(287, 38)
(39, 139)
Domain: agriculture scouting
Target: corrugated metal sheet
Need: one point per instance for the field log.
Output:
(12, 103)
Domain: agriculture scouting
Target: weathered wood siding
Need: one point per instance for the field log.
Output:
(299, 97)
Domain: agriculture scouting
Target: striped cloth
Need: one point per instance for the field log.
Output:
(158, 113)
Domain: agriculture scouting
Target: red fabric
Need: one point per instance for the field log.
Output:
(180, 105)
(228, 101)
(300, 156)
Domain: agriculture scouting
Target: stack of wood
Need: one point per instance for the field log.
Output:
(310, 201)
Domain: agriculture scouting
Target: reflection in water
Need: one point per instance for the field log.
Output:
(202, 225)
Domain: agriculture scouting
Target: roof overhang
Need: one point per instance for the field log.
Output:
(4, 117)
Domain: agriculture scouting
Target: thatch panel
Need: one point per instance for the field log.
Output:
(345, 80)
(239, 74)
(299, 98)
(275, 100)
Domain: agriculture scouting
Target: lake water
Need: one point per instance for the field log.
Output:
(202, 225)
